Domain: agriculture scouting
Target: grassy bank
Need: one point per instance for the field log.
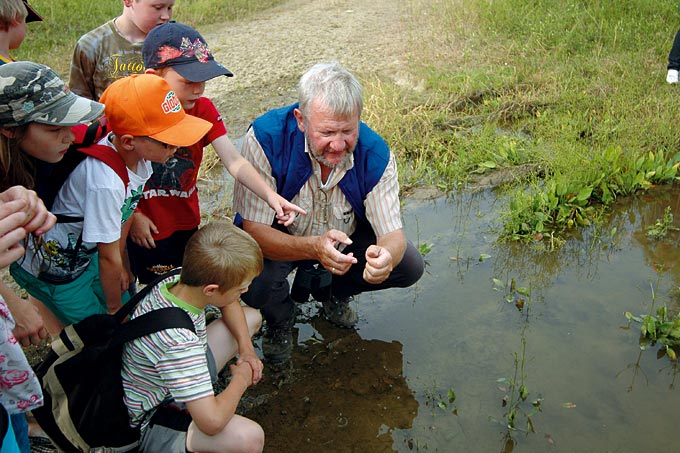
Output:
(51, 42)
(567, 99)
(576, 88)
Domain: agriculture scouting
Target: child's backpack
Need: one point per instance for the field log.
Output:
(81, 377)
(84, 144)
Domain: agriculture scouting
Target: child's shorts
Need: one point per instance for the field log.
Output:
(147, 264)
(70, 302)
(167, 429)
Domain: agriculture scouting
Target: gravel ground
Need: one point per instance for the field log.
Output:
(268, 53)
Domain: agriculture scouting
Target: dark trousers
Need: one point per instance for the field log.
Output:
(147, 264)
(674, 55)
(269, 292)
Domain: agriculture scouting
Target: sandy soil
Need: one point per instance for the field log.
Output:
(269, 53)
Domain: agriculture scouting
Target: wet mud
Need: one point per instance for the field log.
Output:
(339, 392)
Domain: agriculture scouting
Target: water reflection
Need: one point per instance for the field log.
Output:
(340, 393)
(461, 328)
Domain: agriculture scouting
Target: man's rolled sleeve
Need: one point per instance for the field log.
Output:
(250, 206)
(382, 203)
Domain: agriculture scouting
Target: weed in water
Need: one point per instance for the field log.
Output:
(516, 401)
(512, 293)
(434, 399)
(662, 328)
(662, 226)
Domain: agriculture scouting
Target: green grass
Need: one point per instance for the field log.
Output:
(51, 42)
(576, 87)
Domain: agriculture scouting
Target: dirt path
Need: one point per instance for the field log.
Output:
(269, 53)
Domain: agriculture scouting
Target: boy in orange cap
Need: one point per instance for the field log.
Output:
(148, 124)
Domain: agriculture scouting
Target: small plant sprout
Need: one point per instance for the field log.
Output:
(446, 402)
(513, 293)
(425, 248)
(662, 226)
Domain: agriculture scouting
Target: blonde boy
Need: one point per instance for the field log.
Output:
(169, 212)
(220, 261)
(114, 50)
(14, 15)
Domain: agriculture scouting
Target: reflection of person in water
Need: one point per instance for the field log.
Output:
(324, 409)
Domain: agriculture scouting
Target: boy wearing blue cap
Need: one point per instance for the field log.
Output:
(169, 213)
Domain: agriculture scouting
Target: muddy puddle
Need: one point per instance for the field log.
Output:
(492, 334)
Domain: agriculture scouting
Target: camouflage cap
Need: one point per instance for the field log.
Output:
(31, 92)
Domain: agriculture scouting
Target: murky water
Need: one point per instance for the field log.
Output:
(386, 386)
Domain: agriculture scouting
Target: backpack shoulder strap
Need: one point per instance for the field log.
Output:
(110, 157)
(127, 309)
(86, 135)
(161, 319)
(155, 321)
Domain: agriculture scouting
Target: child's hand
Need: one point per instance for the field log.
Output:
(142, 230)
(242, 371)
(12, 220)
(38, 219)
(285, 210)
(30, 328)
(255, 364)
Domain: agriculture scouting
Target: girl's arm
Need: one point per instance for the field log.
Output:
(246, 174)
(29, 326)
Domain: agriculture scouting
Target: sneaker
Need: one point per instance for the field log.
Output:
(340, 312)
(672, 76)
(277, 345)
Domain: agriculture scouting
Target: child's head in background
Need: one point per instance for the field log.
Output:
(180, 55)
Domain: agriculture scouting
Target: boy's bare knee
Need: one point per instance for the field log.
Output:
(252, 439)
(253, 319)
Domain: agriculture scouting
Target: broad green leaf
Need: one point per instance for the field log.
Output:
(584, 193)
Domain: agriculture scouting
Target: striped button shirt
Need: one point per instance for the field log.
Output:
(326, 205)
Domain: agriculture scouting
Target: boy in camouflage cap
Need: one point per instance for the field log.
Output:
(31, 92)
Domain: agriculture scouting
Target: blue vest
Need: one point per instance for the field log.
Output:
(284, 145)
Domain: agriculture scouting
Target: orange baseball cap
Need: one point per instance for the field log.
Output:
(144, 105)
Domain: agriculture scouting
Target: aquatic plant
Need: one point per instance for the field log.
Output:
(512, 293)
(661, 328)
(516, 393)
(662, 226)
